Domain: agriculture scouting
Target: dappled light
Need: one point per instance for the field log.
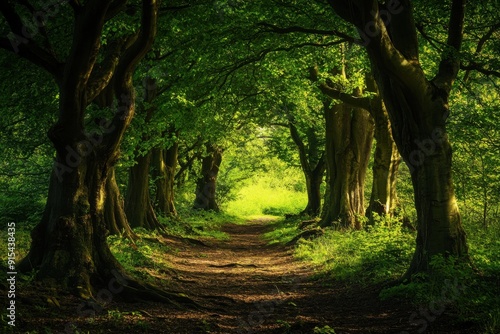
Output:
(231, 166)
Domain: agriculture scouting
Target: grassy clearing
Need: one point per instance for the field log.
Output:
(199, 224)
(266, 197)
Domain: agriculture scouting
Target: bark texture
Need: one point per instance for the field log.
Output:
(114, 210)
(206, 185)
(418, 109)
(349, 134)
(383, 198)
(164, 166)
(69, 246)
(138, 206)
(313, 165)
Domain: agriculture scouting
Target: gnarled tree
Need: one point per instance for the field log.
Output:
(69, 244)
(418, 109)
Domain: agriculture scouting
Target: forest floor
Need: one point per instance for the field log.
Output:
(244, 286)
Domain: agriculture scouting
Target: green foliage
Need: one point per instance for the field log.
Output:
(324, 330)
(146, 254)
(23, 241)
(283, 230)
(471, 292)
(26, 155)
(380, 253)
(198, 223)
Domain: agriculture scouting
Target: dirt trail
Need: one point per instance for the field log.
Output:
(258, 288)
(245, 286)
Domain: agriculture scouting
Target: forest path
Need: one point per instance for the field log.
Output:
(244, 286)
(253, 287)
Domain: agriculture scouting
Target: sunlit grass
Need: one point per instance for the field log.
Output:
(283, 230)
(380, 253)
(198, 223)
(263, 199)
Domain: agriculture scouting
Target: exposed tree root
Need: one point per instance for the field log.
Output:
(134, 290)
(309, 234)
(307, 223)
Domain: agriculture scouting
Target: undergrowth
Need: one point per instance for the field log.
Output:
(379, 253)
(382, 253)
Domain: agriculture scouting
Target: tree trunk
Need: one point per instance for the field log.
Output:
(164, 166)
(138, 205)
(418, 109)
(207, 183)
(114, 210)
(312, 163)
(69, 244)
(349, 134)
(383, 199)
(314, 179)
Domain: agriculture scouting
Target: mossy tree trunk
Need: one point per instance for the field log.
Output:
(349, 134)
(114, 206)
(313, 165)
(164, 166)
(418, 109)
(138, 206)
(206, 185)
(69, 246)
(383, 199)
(114, 210)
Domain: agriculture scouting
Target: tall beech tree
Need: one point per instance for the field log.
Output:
(349, 135)
(164, 162)
(69, 244)
(418, 109)
(115, 217)
(383, 198)
(138, 204)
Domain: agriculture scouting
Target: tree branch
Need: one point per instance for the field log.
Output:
(101, 75)
(141, 43)
(263, 53)
(480, 46)
(292, 29)
(450, 62)
(25, 47)
(34, 54)
(357, 102)
(301, 147)
(472, 66)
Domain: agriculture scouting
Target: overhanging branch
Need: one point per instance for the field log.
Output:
(357, 102)
(287, 30)
(230, 69)
(479, 68)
